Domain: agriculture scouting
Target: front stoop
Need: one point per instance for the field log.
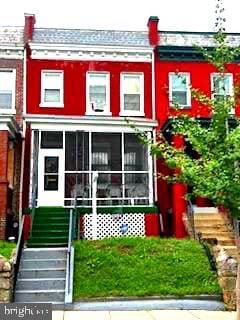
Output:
(41, 276)
(214, 228)
(212, 225)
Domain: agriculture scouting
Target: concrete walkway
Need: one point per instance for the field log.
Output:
(145, 315)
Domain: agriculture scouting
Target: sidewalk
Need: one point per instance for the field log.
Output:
(145, 315)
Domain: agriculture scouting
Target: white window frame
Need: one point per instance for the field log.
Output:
(59, 104)
(124, 112)
(232, 111)
(13, 108)
(89, 110)
(188, 91)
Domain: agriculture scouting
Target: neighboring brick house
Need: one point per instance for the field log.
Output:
(11, 126)
(177, 52)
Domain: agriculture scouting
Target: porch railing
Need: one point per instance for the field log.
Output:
(19, 247)
(190, 217)
(70, 261)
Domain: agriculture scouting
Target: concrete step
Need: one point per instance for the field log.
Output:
(34, 244)
(43, 253)
(50, 226)
(208, 216)
(204, 223)
(39, 295)
(209, 229)
(48, 239)
(42, 263)
(50, 233)
(41, 284)
(226, 242)
(42, 273)
(41, 219)
(215, 234)
(231, 250)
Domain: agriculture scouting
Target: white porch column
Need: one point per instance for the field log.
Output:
(94, 204)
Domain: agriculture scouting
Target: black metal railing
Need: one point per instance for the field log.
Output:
(208, 252)
(19, 248)
(190, 217)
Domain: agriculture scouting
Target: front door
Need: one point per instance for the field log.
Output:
(51, 177)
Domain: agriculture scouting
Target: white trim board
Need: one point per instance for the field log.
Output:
(88, 123)
(100, 53)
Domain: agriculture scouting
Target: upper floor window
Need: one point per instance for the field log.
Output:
(222, 85)
(7, 90)
(179, 89)
(132, 94)
(98, 93)
(52, 89)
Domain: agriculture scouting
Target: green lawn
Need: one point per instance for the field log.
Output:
(6, 248)
(141, 267)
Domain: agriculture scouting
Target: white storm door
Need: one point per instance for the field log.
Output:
(51, 177)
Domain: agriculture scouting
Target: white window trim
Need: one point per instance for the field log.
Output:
(188, 82)
(232, 111)
(123, 112)
(89, 110)
(52, 104)
(13, 109)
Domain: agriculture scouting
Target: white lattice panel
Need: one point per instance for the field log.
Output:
(109, 225)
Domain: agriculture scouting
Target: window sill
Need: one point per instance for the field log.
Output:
(51, 105)
(92, 113)
(7, 111)
(131, 114)
(181, 107)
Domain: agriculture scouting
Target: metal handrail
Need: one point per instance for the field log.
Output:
(33, 207)
(190, 216)
(69, 271)
(19, 247)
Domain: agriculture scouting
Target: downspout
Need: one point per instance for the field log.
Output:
(154, 118)
(23, 132)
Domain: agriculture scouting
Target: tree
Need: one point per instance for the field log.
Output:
(214, 171)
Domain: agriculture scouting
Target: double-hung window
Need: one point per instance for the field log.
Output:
(98, 93)
(179, 89)
(132, 94)
(52, 88)
(7, 90)
(222, 85)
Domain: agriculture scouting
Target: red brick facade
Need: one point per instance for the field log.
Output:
(3, 181)
(13, 201)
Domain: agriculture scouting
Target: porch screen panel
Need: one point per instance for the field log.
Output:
(76, 151)
(76, 168)
(77, 184)
(135, 154)
(106, 152)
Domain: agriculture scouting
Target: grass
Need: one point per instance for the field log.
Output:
(141, 267)
(6, 248)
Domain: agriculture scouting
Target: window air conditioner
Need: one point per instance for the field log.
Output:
(97, 107)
